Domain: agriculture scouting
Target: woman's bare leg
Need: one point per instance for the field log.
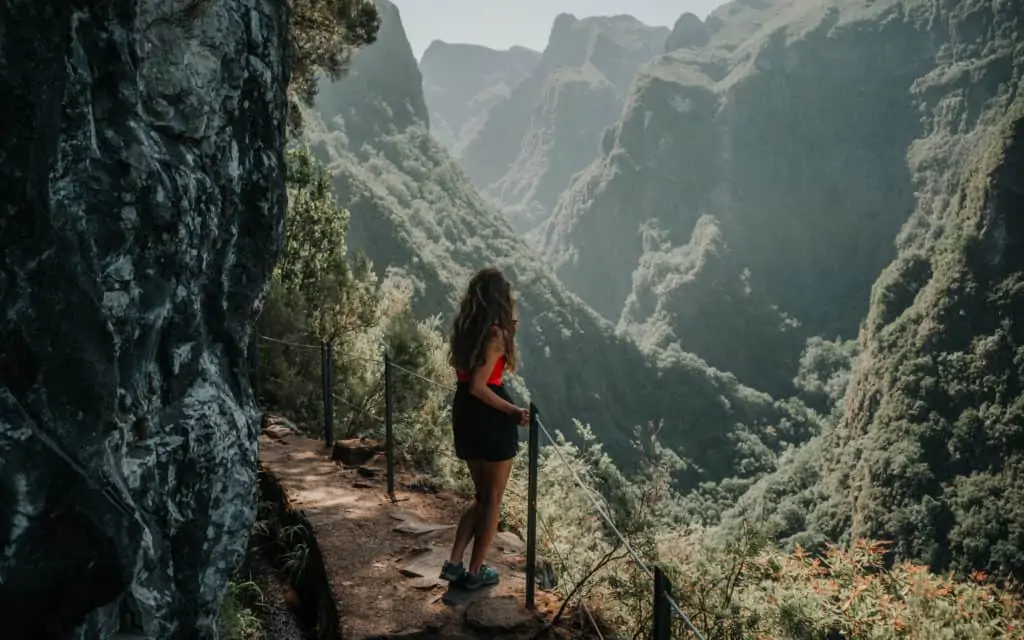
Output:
(467, 523)
(489, 510)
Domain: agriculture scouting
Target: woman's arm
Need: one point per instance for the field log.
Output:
(478, 380)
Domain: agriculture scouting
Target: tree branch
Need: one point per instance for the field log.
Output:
(603, 562)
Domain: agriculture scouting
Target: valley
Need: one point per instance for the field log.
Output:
(740, 227)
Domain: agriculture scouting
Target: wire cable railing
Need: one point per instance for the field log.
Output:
(288, 343)
(665, 606)
(546, 530)
(608, 520)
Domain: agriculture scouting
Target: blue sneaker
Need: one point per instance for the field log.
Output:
(485, 577)
(452, 571)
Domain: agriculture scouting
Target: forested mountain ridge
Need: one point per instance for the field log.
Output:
(413, 209)
(750, 194)
(533, 141)
(914, 181)
(929, 442)
(461, 82)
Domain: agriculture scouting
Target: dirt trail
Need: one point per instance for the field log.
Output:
(382, 560)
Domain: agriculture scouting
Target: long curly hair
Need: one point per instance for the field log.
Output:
(487, 302)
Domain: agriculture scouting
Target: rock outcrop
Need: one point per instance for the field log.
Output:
(788, 123)
(141, 207)
(689, 32)
(413, 209)
(550, 125)
(461, 82)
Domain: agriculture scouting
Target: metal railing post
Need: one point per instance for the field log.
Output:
(328, 394)
(254, 374)
(389, 426)
(531, 509)
(323, 379)
(662, 628)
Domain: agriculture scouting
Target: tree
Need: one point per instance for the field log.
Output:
(321, 294)
(324, 34)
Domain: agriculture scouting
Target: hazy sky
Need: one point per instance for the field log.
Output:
(502, 23)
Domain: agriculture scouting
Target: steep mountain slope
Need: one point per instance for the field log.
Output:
(461, 82)
(548, 128)
(787, 124)
(930, 449)
(413, 208)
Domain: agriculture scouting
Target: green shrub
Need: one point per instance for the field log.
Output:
(239, 618)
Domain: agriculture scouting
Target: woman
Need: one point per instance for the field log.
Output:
(484, 419)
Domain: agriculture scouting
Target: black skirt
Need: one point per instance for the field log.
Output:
(482, 432)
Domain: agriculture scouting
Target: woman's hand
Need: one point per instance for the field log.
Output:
(524, 416)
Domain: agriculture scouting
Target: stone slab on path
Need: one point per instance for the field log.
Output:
(383, 561)
(412, 524)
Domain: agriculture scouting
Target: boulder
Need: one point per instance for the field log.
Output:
(277, 427)
(141, 209)
(500, 614)
(355, 451)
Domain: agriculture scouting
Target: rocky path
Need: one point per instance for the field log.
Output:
(382, 560)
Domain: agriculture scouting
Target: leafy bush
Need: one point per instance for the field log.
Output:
(824, 373)
(315, 294)
(747, 589)
(239, 619)
(323, 35)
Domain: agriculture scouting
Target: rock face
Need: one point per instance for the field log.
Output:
(550, 125)
(785, 123)
(414, 210)
(461, 82)
(142, 191)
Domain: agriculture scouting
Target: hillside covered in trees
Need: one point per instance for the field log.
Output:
(818, 198)
(791, 260)
(413, 210)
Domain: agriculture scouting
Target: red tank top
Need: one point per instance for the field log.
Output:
(495, 378)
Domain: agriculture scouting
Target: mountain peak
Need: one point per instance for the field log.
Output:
(690, 32)
(573, 41)
(384, 88)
